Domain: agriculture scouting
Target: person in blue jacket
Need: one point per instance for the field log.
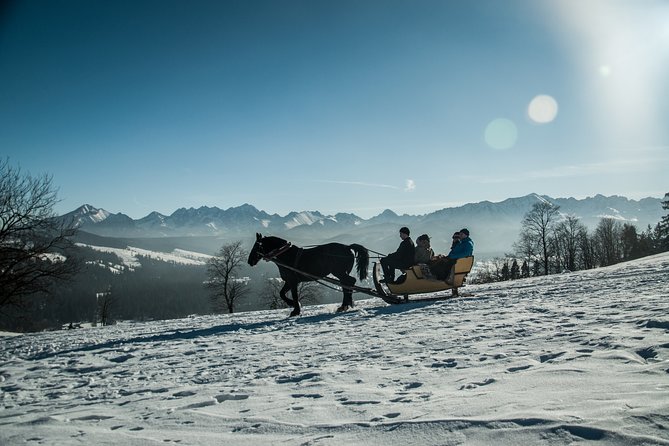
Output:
(463, 249)
(441, 267)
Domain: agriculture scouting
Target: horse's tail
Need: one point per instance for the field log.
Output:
(362, 259)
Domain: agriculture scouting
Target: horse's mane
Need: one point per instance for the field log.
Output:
(273, 239)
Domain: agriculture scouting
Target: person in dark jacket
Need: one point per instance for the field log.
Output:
(400, 259)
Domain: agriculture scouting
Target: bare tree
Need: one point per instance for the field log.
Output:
(36, 250)
(608, 239)
(567, 236)
(226, 289)
(105, 302)
(538, 224)
(493, 270)
(308, 292)
(526, 248)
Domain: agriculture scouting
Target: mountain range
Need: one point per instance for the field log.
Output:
(494, 226)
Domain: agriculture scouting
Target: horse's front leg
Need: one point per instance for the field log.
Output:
(296, 301)
(282, 294)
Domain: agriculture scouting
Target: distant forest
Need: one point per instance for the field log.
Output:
(156, 290)
(105, 291)
(550, 243)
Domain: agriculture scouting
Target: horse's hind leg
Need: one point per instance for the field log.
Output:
(347, 303)
(296, 301)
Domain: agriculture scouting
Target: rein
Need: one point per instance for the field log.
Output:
(277, 252)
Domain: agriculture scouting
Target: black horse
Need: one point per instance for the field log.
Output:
(331, 258)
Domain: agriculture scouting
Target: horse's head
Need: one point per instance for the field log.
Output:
(263, 247)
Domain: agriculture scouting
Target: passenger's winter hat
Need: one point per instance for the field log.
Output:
(405, 230)
(423, 237)
(465, 231)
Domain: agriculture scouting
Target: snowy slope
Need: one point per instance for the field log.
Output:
(572, 358)
(129, 256)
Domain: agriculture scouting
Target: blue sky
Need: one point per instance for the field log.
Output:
(335, 106)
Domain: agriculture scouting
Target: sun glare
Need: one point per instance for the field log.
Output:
(501, 134)
(621, 51)
(542, 109)
(605, 71)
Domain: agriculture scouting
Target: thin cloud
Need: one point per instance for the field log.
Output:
(410, 185)
(359, 183)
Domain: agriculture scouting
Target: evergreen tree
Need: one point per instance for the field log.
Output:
(630, 242)
(525, 269)
(515, 270)
(536, 268)
(663, 226)
(506, 273)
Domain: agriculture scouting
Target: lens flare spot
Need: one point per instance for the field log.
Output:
(501, 134)
(605, 71)
(542, 109)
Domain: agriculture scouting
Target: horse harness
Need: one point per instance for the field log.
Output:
(272, 255)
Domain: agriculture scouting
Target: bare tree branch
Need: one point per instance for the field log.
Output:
(538, 226)
(36, 250)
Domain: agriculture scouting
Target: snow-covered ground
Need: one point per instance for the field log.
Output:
(571, 358)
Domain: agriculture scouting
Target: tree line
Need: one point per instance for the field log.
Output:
(551, 243)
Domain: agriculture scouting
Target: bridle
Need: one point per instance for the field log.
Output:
(272, 254)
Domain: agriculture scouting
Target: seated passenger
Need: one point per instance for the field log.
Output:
(441, 267)
(456, 239)
(400, 259)
(424, 252)
(463, 249)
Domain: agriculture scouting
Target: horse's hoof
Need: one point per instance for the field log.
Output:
(294, 313)
(343, 308)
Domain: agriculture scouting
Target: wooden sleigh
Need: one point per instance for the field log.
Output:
(414, 282)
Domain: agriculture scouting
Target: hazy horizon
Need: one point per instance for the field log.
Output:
(361, 216)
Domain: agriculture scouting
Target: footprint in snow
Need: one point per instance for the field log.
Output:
(230, 397)
(474, 385)
(519, 368)
(550, 356)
